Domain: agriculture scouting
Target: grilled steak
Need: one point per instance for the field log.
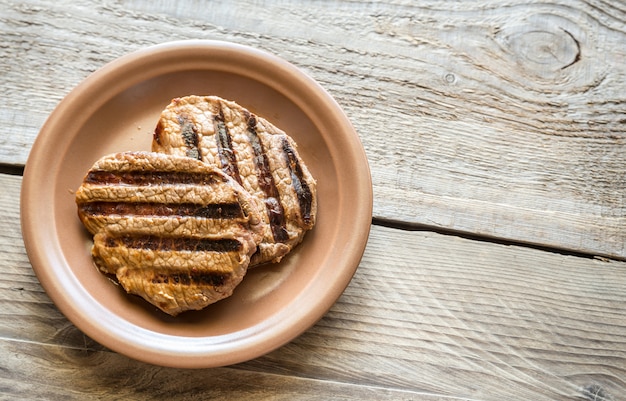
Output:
(173, 230)
(256, 154)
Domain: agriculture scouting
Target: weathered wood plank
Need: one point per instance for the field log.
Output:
(36, 371)
(425, 313)
(502, 119)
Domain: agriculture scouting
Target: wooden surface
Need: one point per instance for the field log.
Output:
(496, 135)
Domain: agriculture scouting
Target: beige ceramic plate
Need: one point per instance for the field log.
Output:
(116, 109)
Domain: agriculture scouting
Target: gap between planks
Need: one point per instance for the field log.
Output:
(12, 169)
(407, 226)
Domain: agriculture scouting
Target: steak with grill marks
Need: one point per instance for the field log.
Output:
(256, 154)
(173, 230)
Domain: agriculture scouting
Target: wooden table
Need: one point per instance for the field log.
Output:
(496, 134)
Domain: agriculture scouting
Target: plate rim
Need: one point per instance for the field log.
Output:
(46, 259)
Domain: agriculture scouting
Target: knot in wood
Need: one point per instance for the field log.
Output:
(595, 392)
(543, 48)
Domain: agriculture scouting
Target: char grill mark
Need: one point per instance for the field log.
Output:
(303, 192)
(190, 137)
(211, 211)
(188, 278)
(158, 243)
(228, 159)
(143, 178)
(266, 182)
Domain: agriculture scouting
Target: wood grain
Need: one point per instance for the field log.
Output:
(37, 371)
(426, 316)
(503, 119)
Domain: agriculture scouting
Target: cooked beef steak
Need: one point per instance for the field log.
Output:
(173, 230)
(256, 154)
